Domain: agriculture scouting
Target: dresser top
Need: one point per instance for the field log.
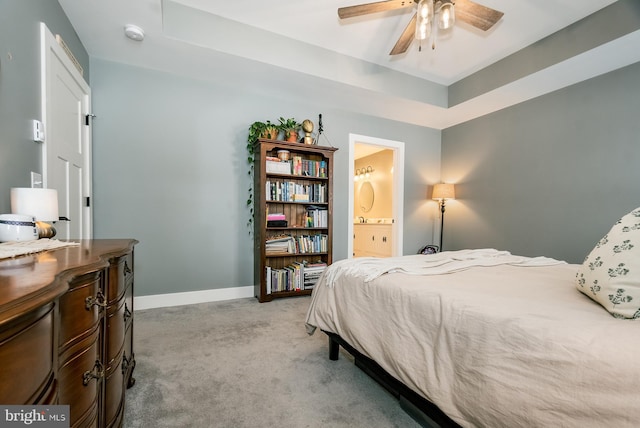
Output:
(30, 281)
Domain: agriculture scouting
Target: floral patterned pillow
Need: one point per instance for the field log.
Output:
(610, 274)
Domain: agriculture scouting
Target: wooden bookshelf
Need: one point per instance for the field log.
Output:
(305, 198)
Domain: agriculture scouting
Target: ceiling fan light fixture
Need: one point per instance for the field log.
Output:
(424, 19)
(446, 16)
(423, 22)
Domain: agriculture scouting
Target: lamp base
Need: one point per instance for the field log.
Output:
(45, 230)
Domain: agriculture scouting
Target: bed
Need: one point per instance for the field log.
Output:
(484, 338)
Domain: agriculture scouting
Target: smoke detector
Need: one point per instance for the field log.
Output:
(134, 32)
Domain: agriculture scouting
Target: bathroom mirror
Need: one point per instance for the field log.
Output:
(366, 196)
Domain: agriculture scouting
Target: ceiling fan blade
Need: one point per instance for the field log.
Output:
(365, 9)
(475, 14)
(405, 38)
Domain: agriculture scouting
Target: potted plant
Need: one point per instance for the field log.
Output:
(290, 127)
(262, 130)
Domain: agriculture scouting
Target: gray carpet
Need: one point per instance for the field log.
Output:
(241, 363)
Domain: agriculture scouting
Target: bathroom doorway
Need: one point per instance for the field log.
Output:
(375, 197)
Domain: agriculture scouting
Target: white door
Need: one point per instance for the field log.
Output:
(66, 164)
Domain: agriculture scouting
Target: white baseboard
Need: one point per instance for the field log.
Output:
(191, 297)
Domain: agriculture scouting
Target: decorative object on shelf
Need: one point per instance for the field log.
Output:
(283, 155)
(40, 203)
(363, 173)
(290, 128)
(424, 19)
(442, 192)
(307, 127)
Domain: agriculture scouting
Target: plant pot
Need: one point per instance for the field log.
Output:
(271, 134)
(292, 136)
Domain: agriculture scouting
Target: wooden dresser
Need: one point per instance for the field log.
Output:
(66, 329)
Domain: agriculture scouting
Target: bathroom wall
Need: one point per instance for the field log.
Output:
(381, 180)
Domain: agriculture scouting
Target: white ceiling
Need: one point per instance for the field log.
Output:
(291, 35)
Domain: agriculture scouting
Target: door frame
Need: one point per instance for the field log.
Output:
(49, 46)
(398, 188)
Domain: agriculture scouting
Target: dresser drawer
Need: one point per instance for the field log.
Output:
(120, 275)
(80, 308)
(81, 376)
(26, 352)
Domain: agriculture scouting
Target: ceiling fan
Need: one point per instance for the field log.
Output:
(425, 19)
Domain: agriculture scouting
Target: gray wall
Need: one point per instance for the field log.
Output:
(170, 170)
(20, 85)
(549, 176)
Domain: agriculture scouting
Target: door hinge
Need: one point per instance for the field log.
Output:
(87, 201)
(87, 118)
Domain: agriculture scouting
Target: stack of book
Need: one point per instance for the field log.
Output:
(279, 245)
(276, 220)
(295, 277)
(312, 273)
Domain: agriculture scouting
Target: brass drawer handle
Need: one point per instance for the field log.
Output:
(96, 373)
(98, 300)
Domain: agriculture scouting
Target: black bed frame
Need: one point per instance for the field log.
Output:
(420, 409)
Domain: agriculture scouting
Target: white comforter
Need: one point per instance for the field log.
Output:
(492, 344)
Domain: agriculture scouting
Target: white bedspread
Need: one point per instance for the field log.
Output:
(493, 345)
(436, 264)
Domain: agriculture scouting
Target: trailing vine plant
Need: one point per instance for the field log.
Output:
(256, 130)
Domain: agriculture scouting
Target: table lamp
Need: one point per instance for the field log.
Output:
(39, 203)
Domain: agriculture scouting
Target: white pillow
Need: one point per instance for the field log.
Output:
(610, 274)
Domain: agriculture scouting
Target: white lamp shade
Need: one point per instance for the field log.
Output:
(443, 191)
(39, 203)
